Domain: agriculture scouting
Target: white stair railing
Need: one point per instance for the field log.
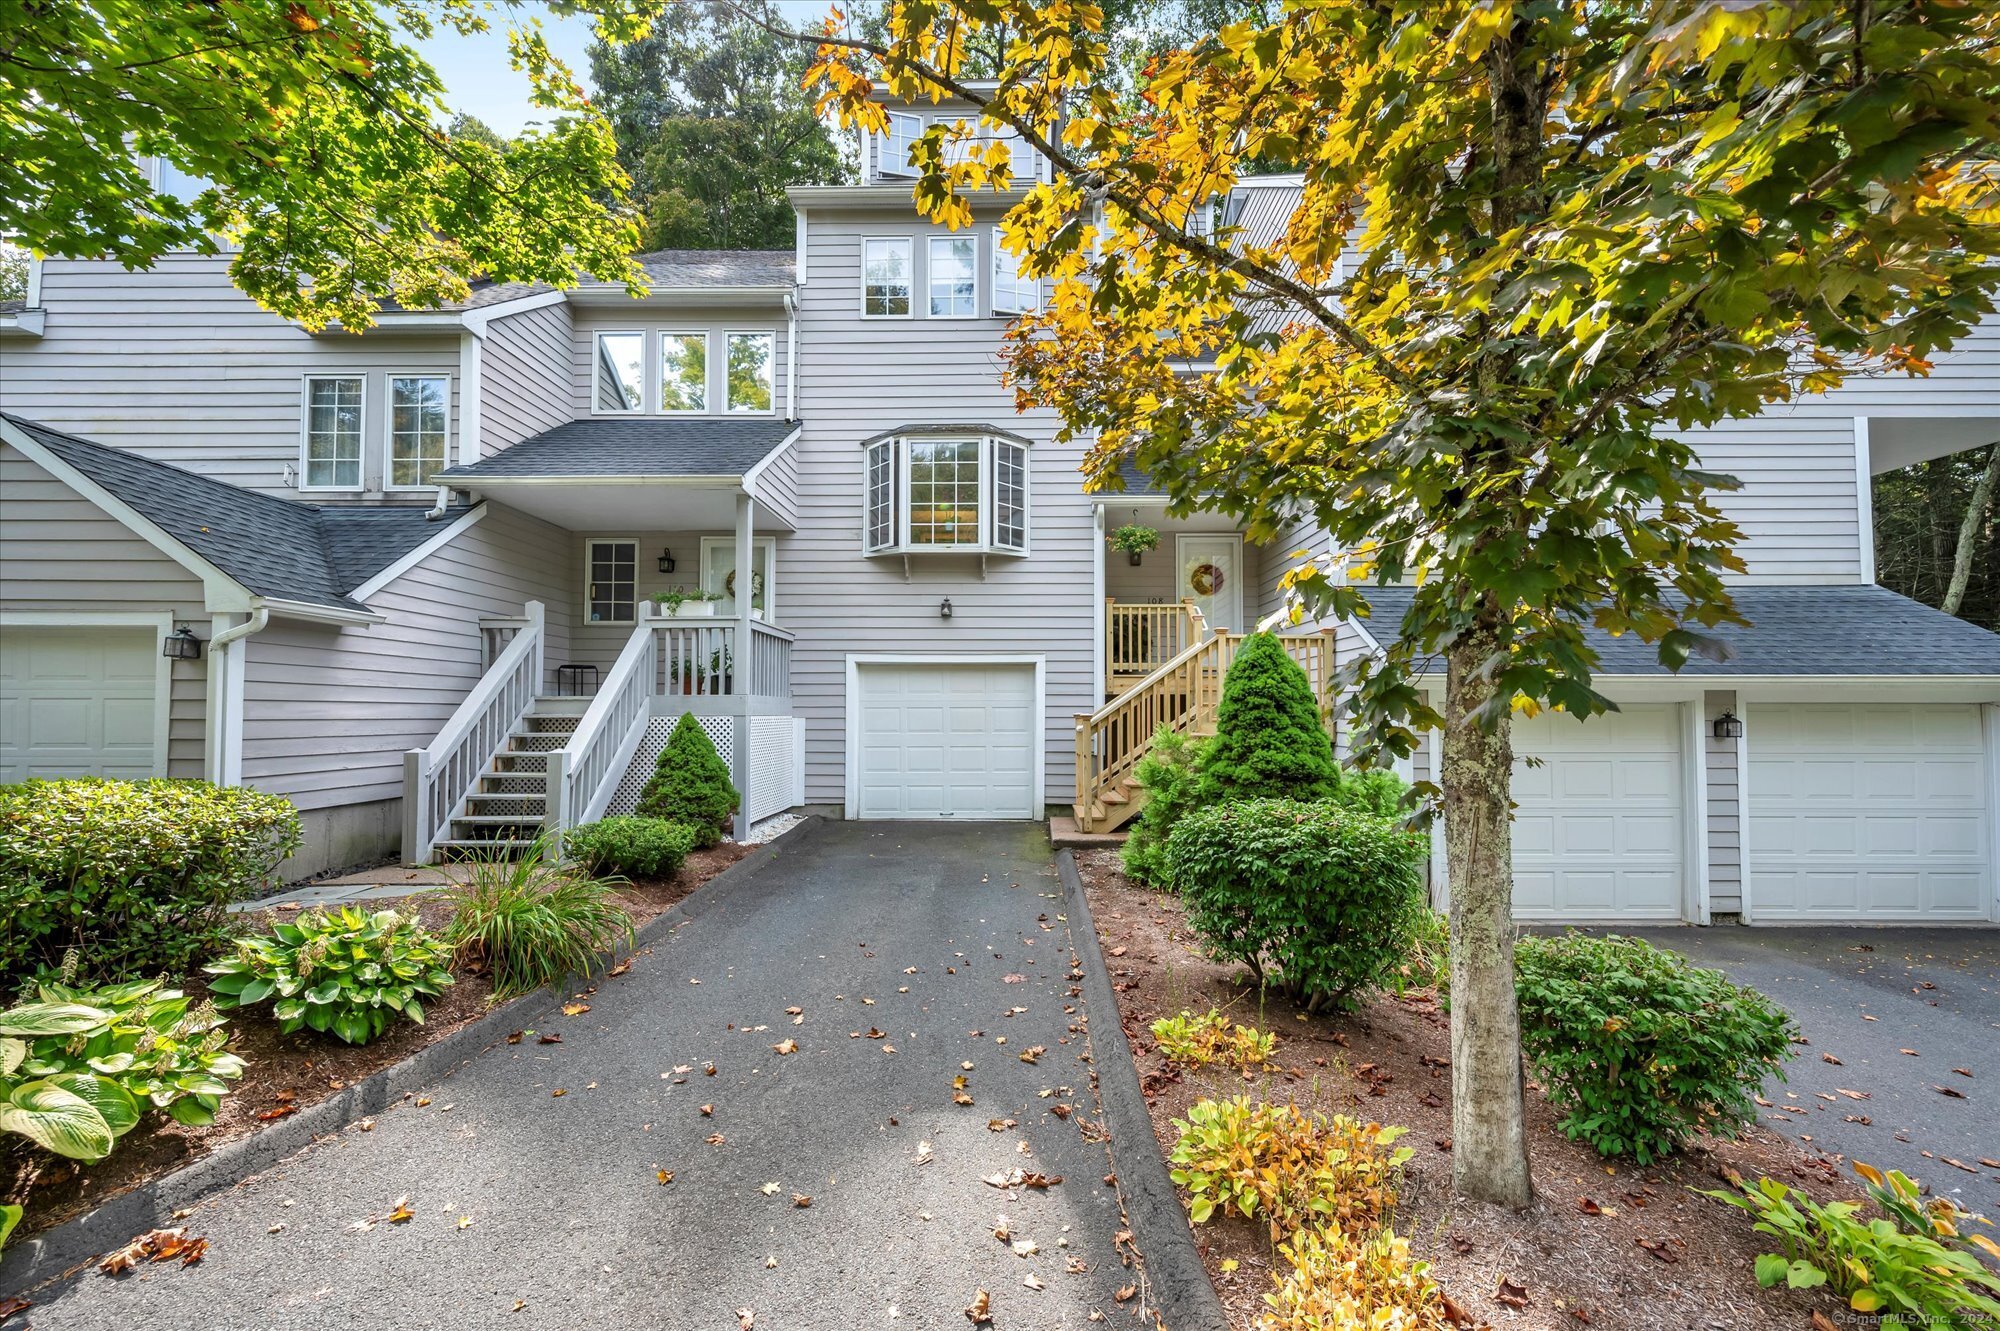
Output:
(584, 774)
(437, 778)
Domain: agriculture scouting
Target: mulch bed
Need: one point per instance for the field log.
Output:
(286, 1073)
(1646, 1253)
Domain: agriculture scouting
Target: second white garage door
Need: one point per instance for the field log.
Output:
(945, 740)
(1599, 832)
(79, 702)
(1875, 812)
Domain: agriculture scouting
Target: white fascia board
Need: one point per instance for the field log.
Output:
(220, 591)
(318, 614)
(502, 482)
(22, 323)
(443, 537)
(1788, 688)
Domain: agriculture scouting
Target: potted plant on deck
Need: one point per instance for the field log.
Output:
(1134, 540)
(686, 604)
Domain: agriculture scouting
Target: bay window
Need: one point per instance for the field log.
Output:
(938, 491)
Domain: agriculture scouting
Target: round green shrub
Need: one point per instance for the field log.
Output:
(1270, 741)
(1375, 790)
(1325, 900)
(1638, 1049)
(633, 847)
(691, 784)
(1167, 774)
(134, 875)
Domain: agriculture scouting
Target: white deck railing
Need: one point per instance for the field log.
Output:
(436, 779)
(583, 773)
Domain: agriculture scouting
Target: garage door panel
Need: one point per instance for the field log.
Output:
(78, 702)
(1875, 811)
(946, 740)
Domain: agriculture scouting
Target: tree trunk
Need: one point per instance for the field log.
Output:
(1489, 1150)
(1968, 533)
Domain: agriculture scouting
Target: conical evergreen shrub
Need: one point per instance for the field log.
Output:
(1269, 740)
(691, 784)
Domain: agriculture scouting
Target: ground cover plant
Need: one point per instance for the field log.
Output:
(1199, 1039)
(631, 847)
(343, 972)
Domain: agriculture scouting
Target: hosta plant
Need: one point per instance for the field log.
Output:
(1200, 1038)
(1291, 1167)
(345, 972)
(1907, 1263)
(79, 1067)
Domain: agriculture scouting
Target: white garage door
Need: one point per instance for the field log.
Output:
(1598, 834)
(1875, 812)
(946, 741)
(77, 702)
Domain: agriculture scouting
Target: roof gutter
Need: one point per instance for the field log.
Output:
(307, 610)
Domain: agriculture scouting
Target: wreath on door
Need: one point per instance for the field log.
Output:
(1206, 579)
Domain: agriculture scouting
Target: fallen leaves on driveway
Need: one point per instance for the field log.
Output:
(980, 1311)
(156, 1245)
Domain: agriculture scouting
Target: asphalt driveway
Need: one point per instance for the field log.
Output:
(914, 954)
(1903, 1010)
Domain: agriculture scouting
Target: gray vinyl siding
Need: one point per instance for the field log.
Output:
(1724, 797)
(719, 321)
(1964, 381)
(524, 377)
(1157, 578)
(61, 553)
(863, 376)
(1798, 507)
(599, 644)
(778, 490)
(329, 711)
(177, 364)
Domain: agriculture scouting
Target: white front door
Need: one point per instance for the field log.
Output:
(1871, 811)
(79, 702)
(718, 574)
(1211, 571)
(1598, 824)
(945, 740)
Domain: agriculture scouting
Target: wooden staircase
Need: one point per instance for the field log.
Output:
(1181, 696)
(507, 807)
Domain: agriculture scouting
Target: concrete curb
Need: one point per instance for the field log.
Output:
(1181, 1291)
(54, 1253)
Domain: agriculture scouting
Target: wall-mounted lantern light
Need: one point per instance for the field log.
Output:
(666, 560)
(181, 645)
(1727, 726)
(944, 608)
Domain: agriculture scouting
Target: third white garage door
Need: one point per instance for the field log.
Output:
(1875, 812)
(945, 740)
(1599, 832)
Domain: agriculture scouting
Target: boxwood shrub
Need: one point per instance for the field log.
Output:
(1639, 1049)
(632, 847)
(1326, 901)
(134, 875)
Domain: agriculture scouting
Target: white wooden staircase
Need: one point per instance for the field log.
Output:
(508, 805)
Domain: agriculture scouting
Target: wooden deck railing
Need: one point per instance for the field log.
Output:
(1182, 695)
(1140, 638)
(437, 778)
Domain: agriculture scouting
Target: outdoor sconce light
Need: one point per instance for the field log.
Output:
(666, 560)
(1728, 727)
(181, 645)
(944, 608)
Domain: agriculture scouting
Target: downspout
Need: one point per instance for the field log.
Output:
(437, 510)
(791, 356)
(226, 726)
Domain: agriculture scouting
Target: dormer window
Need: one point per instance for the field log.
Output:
(893, 157)
(946, 490)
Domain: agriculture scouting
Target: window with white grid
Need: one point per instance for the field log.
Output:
(333, 433)
(419, 408)
(1012, 293)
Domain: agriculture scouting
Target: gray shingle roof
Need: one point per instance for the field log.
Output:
(664, 268)
(1851, 629)
(640, 446)
(12, 306)
(274, 547)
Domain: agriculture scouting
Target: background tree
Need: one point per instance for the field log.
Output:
(310, 131)
(1937, 536)
(713, 123)
(1538, 241)
(13, 271)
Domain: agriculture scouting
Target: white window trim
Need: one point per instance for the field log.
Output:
(995, 253)
(597, 370)
(915, 286)
(589, 562)
(900, 497)
(901, 170)
(727, 408)
(930, 246)
(714, 545)
(657, 384)
(389, 430)
(305, 486)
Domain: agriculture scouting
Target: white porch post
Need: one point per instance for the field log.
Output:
(746, 592)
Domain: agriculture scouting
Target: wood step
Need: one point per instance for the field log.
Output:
(1115, 795)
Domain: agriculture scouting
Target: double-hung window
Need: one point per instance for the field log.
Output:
(611, 581)
(751, 357)
(620, 387)
(683, 372)
(419, 412)
(936, 492)
(886, 277)
(893, 154)
(332, 450)
(954, 277)
(1012, 293)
